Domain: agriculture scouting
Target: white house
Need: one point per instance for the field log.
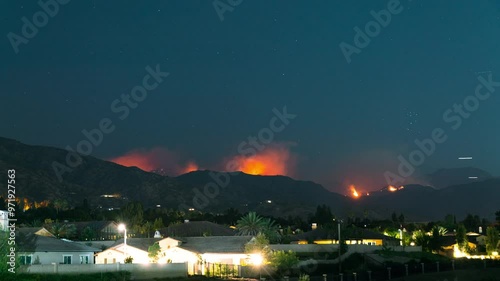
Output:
(4, 220)
(37, 249)
(198, 252)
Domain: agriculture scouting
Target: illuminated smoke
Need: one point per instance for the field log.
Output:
(274, 160)
(157, 159)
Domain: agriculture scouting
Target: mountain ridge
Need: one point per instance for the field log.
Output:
(270, 195)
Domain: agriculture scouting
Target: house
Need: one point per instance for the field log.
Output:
(41, 231)
(450, 246)
(203, 252)
(39, 249)
(97, 230)
(4, 220)
(137, 248)
(198, 252)
(196, 229)
(353, 236)
(92, 230)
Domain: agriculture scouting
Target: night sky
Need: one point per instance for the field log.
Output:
(226, 77)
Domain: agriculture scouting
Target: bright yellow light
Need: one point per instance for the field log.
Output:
(494, 254)
(121, 227)
(459, 254)
(256, 259)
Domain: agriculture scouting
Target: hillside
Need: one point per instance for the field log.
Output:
(271, 195)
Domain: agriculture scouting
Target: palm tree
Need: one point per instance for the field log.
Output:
(251, 224)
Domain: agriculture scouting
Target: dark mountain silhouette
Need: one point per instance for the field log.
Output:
(268, 195)
(447, 177)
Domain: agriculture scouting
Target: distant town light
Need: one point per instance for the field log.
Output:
(269, 201)
(191, 209)
(472, 178)
(465, 158)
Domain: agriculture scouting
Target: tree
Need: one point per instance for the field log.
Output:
(497, 216)
(421, 239)
(253, 224)
(401, 218)
(5, 253)
(323, 215)
(60, 204)
(133, 215)
(394, 217)
(472, 223)
(491, 240)
(259, 245)
(88, 234)
(461, 238)
(158, 224)
(284, 261)
(154, 251)
(63, 230)
(435, 240)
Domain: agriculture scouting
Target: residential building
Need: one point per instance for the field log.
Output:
(38, 249)
(198, 252)
(4, 220)
(353, 236)
(196, 229)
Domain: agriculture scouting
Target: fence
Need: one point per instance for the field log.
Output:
(398, 270)
(137, 271)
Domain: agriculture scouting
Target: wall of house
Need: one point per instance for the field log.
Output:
(58, 257)
(118, 255)
(305, 248)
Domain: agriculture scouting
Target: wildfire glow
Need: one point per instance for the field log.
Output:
(394, 189)
(191, 167)
(354, 192)
(155, 159)
(275, 160)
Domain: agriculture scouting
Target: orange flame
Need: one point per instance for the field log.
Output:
(275, 160)
(354, 192)
(393, 189)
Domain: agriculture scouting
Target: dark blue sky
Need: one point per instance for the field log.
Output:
(353, 119)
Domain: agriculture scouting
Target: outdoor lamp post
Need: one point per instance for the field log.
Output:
(340, 253)
(122, 227)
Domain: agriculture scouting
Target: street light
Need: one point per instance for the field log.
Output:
(340, 258)
(122, 227)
